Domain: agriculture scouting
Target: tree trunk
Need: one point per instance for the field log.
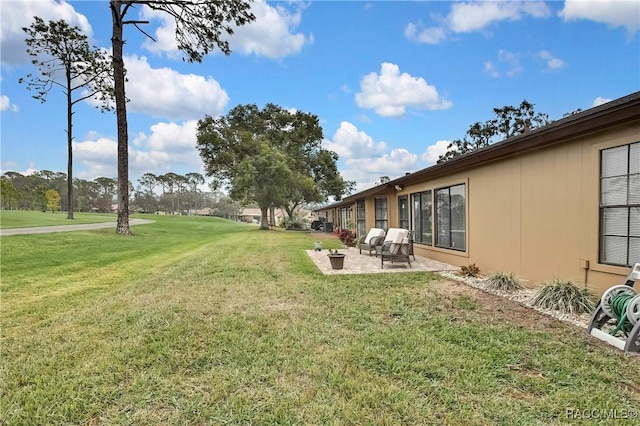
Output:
(290, 210)
(69, 148)
(117, 43)
(264, 224)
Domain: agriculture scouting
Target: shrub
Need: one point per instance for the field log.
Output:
(347, 237)
(296, 222)
(506, 281)
(565, 297)
(470, 270)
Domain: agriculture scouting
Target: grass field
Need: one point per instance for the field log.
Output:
(199, 321)
(28, 219)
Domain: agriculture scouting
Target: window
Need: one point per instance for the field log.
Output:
(620, 205)
(403, 212)
(345, 217)
(450, 217)
(422, 225)
(361, 223)
(381, 213)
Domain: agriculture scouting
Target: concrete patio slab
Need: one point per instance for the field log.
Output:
(356, 263)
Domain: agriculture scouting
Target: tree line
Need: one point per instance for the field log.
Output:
(170, 193)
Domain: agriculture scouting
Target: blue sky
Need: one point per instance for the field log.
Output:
(391, 82)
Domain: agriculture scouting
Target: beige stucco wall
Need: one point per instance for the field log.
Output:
(536, 214)
(370, 212)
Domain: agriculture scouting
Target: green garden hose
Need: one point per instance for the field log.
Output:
(619, 306)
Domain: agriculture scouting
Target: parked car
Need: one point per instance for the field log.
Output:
(317, 225)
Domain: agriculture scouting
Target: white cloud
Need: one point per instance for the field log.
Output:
(271, 34)
(600, 100)
(164, 35)
(367, 171)
(31, 169)
(172, 137)
(553, 63)
(99, 156)
(536, 9)
(365, 160)
(18, 14)
(394, 164)
(364, 118)
(6, 105)
(11, 166)
(614, 13)
(433, 152)
(167, 147)
(390, 93)
(466, 17)
(349, 142)
(508, 64)
(417, 33)
(8, 166)
(490, 69)
(363, 180)
(165, 93)
(96, 150)
(475, 16)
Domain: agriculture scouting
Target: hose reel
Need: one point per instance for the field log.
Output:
(618, 314)
(633, 310)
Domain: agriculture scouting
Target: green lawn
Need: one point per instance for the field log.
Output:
(28, 219)
(199, 321)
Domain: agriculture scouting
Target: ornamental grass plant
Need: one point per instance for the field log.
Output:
(564, 296)
(504, 281)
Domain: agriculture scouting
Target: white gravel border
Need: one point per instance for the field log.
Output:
(523, 296)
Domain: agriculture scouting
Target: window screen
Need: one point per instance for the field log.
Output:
(361, 224)
(620, 205)
(403, 212)
(381, 213)
(451, 217)
(422, 213)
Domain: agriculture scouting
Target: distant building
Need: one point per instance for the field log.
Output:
(253, 215)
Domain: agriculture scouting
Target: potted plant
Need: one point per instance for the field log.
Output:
(317, 246)
(336, 259)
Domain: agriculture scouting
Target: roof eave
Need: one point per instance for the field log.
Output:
(624, 110)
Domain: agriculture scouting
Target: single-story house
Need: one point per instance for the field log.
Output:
(560, 201)
(254, 214)
(249, 214)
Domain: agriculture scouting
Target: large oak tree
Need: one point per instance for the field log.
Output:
(269, 156)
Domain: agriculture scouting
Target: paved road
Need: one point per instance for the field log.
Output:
(67, 228)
